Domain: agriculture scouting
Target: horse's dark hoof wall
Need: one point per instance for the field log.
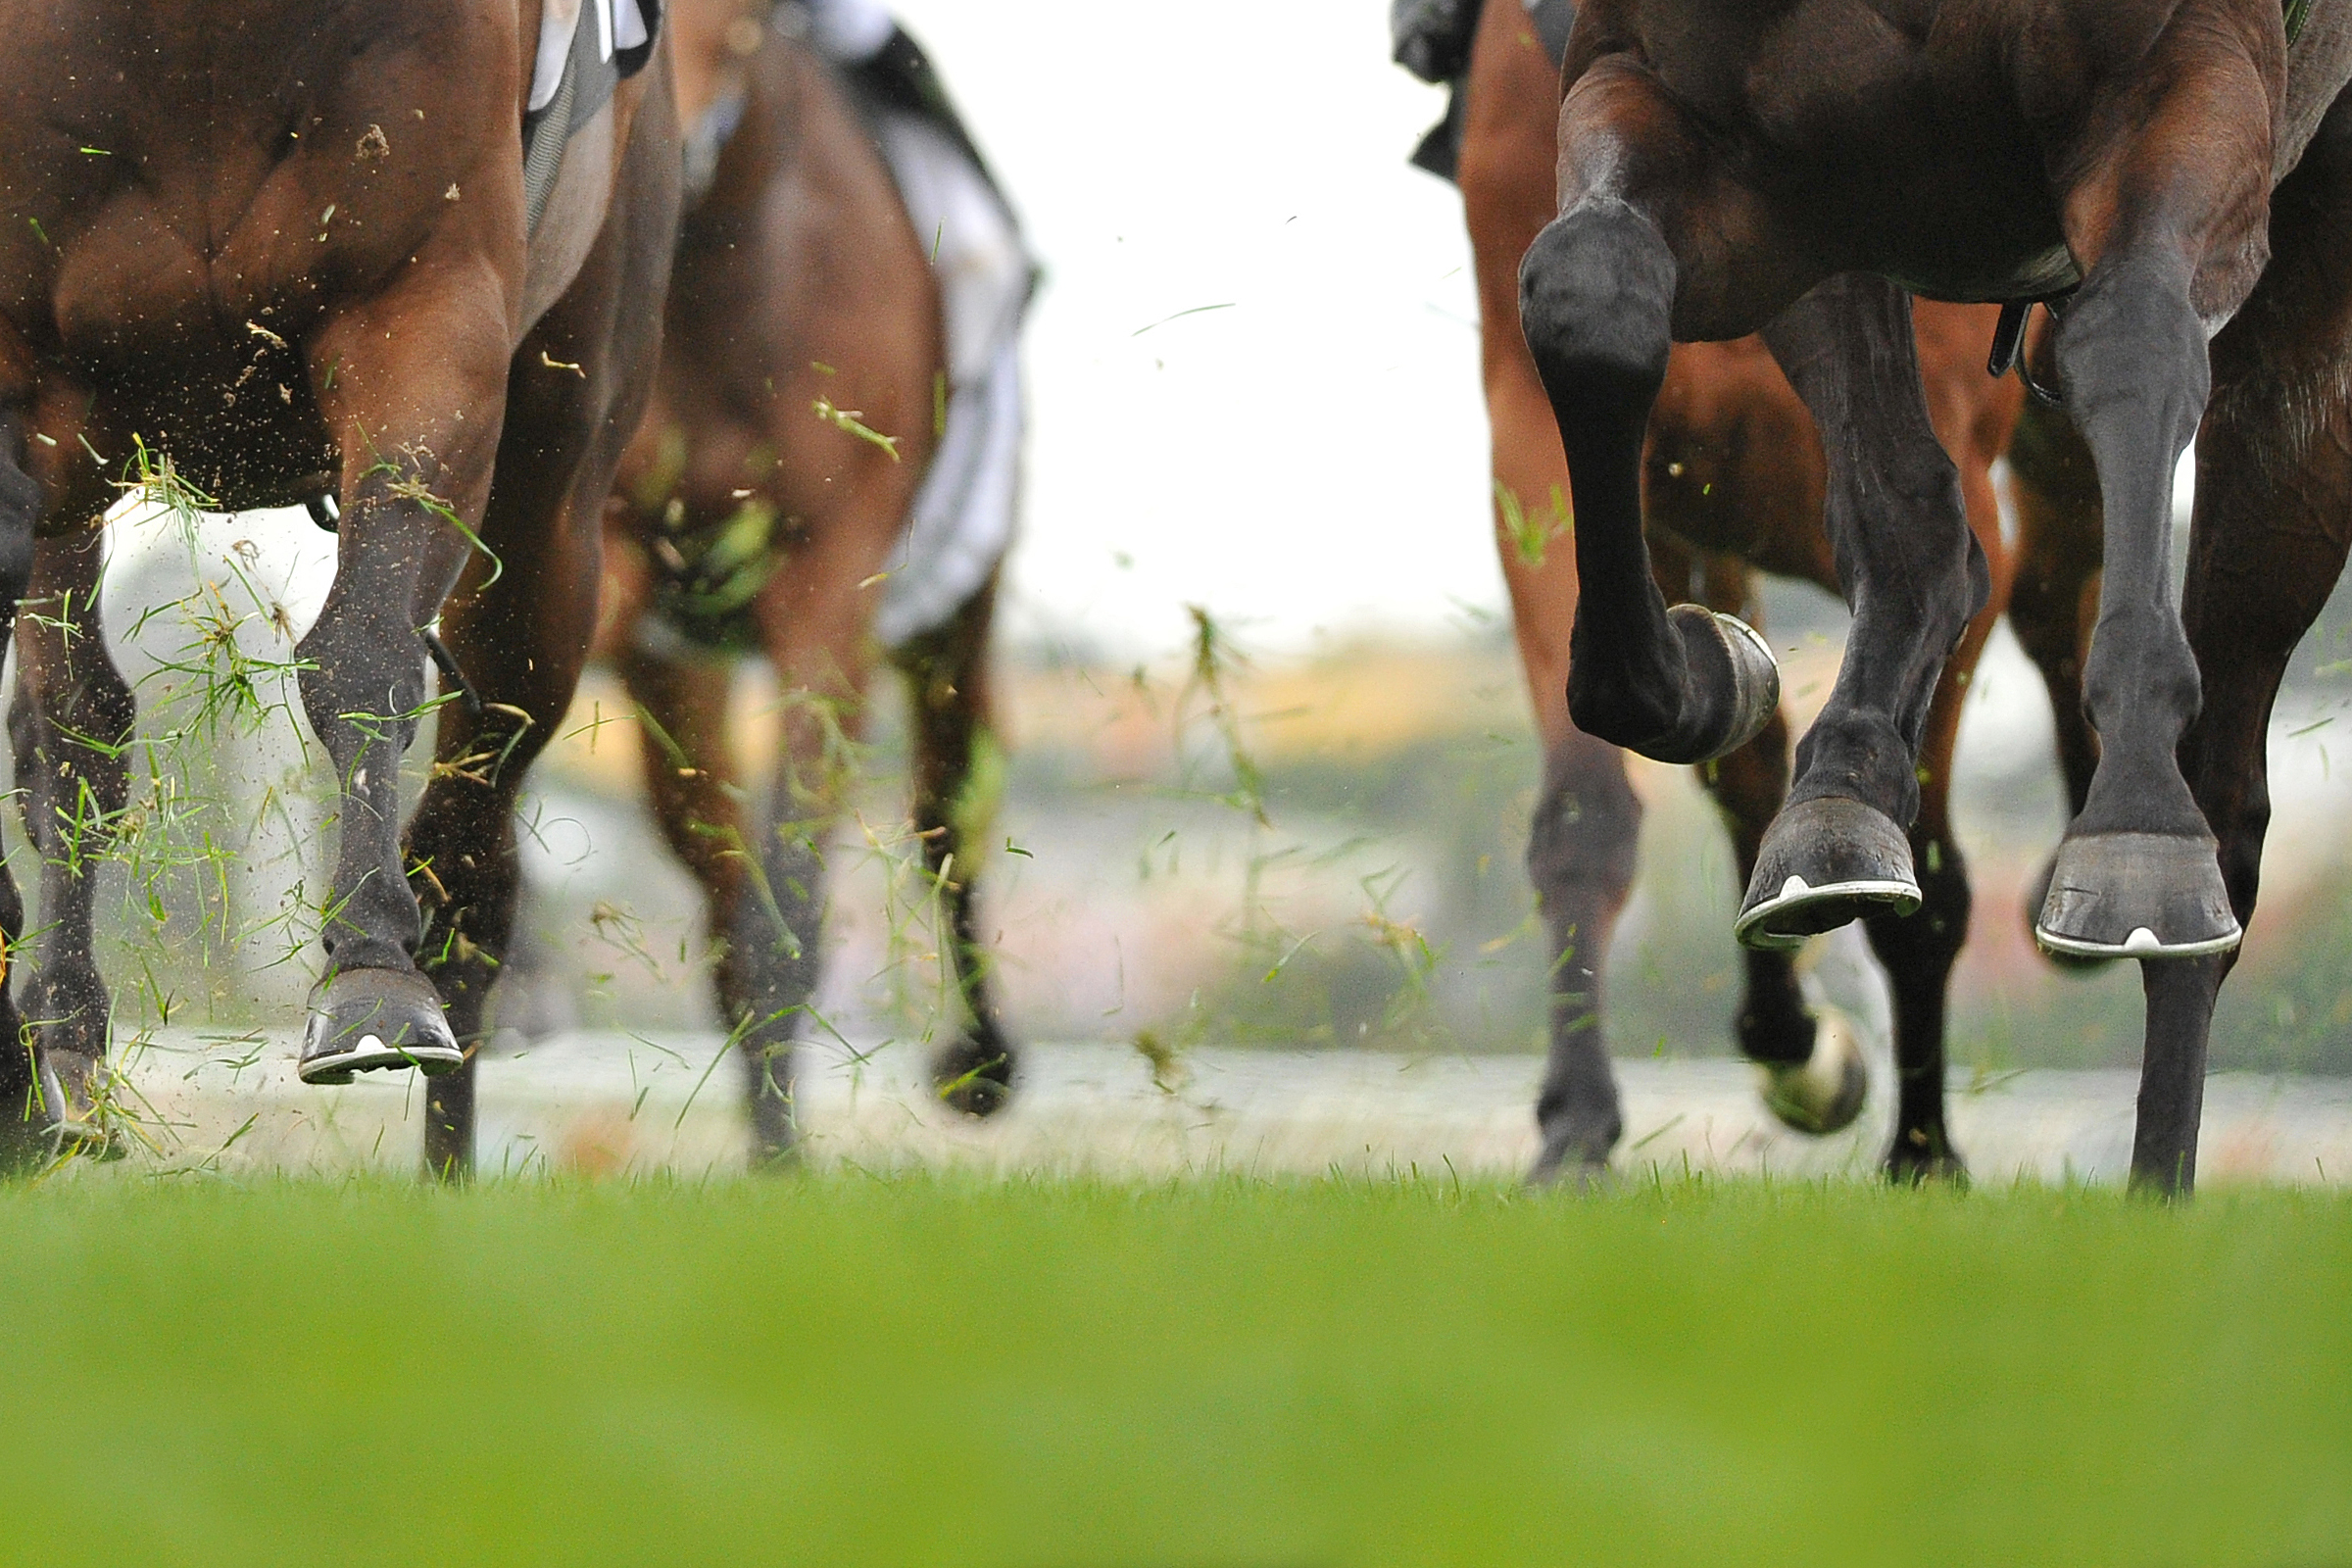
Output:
(367, 1020)
(2136, 896)
(2038, 895)
(973, 1077)
(1734, 687)
(1824, 1092)
(74, 1093)
(1825, 861)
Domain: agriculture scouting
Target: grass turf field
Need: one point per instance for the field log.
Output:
(935, 1371)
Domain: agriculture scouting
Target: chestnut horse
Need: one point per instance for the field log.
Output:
(295, 251)
(1733, 483)
(2172, 180)
(763, 508)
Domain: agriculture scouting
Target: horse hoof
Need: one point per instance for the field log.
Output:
(1577, 1141)
(366, 1020)
(1912, 1163)
(1824, 1092)
(1568, 1171)
(974, 1076)
(1825, 861)
(75, 1092)
(2136, 896)
(1733, 689)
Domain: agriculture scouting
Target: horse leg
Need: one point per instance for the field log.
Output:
(1581, 841)
(2268, 542)
(1918, 951)
(1815, 1079)
(2168, 224)
(2056, 489)
(575, 391)
(958, 783)
(1915, 578)
(412, 384)
(26, 1112)
(1601, 298)
(1580, 857)
(688, 758)
(1973, 417)
(70, 727)
(520, 642)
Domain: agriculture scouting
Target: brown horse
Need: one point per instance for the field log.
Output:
(1733, 483)
(296, 251)
(802, 397)
(2174, 178)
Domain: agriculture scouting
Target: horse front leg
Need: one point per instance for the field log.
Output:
(413, 385)
(2267, 546)
(1914, 576)
(2171, 225)
(1600, 296)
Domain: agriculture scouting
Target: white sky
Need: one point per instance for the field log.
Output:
(1310, 461)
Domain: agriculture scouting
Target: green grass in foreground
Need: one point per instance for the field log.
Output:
(850, 1370)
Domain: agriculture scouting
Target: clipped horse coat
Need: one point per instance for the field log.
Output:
(295, 251)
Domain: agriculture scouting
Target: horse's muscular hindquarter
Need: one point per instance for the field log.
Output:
(293, 267)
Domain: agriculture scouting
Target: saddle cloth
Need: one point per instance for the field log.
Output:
(586, 47)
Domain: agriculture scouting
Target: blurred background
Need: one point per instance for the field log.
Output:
(1271, 766)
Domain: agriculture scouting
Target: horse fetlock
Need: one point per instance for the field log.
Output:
(1576, 1141)
(78, 1101)
(1920, 1155)
(68, 1005)
(1712, 688)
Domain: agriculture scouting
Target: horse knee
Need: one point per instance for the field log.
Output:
(1595, 304)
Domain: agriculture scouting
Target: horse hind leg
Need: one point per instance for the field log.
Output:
(69, 726)
(957, 786)
(1814, 1077)
(25, 1110)
(1580, 857)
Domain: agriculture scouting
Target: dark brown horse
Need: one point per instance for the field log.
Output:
(805, 389)
(1734, 483)
(2166, 175)
(295, 249)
